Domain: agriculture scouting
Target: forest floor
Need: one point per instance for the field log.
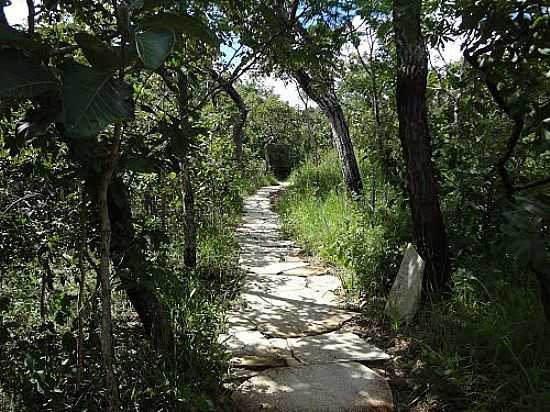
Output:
(288, 335)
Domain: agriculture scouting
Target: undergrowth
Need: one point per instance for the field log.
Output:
(485, 348)
(38, 355)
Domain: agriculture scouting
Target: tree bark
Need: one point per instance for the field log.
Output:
(82, 238)
(3, 19)
(543, 278)
(188, 210)
(238, 127)
(429, 228)
(131, 265)
(105, 269)
(30, 18)
(328, 102)
(188, 200)
(133, 270)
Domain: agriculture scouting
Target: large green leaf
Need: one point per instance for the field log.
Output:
(97, 52)
(93, 99)
(154, 46)
(21, 76)
(183, 23)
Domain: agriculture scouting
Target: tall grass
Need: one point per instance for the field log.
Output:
(485, 348)
(364, 240)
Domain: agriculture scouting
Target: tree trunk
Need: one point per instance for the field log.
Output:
(133, 270)
(543, 278)
(238, 127)
(188, 200)
(3, 19)
(329, 104)
(188, 210)
(429, 228)
(375, 99)
(82, 238)
(131, 265)
(31, 16)
(105, 270)
(127, 254)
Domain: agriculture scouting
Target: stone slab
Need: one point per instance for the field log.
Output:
(242, 343)
(324, 283)
(272, 268)
(306, 271)
(239, 374)
(255, 362)
(293, 319)
(343, 387)
(406, 291)
(334, 347)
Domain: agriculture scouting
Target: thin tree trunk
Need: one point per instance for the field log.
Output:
(188, 210)
(105, 270)
(131, 266)
(30, 18)
(43, 291)
(133, 269)
(3, 19)
(329, 104)
(82, 235)
(238, 127)
(429, 228)
(188, 200)
(266, 158)
(47, 282)
(543, 279)
(375, 98)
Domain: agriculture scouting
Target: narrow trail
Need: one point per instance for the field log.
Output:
(288, 352)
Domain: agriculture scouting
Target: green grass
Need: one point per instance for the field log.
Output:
(317, 213)
(485, 348)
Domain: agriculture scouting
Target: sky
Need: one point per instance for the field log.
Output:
(17, 12)
(287, 91)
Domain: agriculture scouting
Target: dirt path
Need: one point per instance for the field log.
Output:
(288, 352)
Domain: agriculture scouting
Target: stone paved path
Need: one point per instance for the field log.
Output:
(288, 353)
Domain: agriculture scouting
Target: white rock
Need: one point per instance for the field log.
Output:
(406, 292)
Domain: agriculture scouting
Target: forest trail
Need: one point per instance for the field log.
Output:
(288, 352)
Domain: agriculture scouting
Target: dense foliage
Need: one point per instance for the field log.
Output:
(131, 131)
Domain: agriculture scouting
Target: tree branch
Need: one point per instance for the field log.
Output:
(238, 127)
(516, 117)
(532, 185)
(3, 19)
(30, 18)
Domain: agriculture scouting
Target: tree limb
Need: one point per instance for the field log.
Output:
(243, 111)
(532, 185)
(3, 19)
(30, 18)
(516, 117)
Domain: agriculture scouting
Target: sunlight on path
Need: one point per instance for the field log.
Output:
(288, 353)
